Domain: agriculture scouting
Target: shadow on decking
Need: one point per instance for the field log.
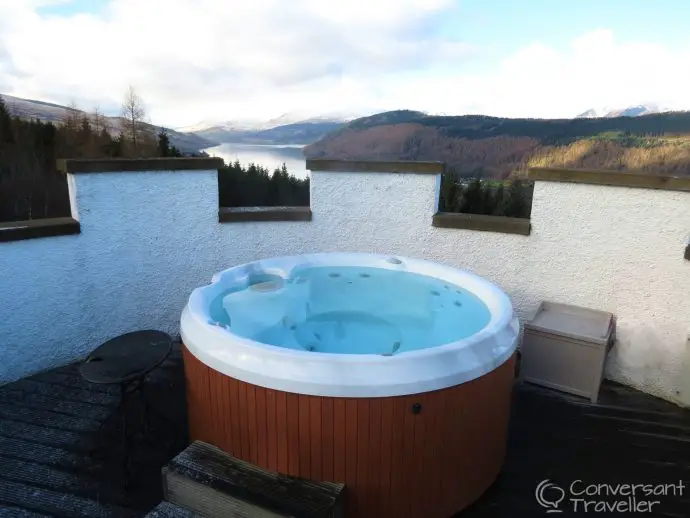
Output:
(48, 429)
(47, 423)
(627, 438)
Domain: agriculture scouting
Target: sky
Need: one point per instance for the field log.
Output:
(196, 61)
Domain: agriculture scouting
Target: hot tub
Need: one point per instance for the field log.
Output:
(390, 374)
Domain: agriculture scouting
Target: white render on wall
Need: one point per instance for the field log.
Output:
(149, 238)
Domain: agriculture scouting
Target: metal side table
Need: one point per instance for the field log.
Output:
(125, 361)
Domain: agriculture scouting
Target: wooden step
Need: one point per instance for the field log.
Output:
(213, 483)
(170, 510)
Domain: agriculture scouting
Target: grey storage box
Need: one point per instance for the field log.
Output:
(564, 347)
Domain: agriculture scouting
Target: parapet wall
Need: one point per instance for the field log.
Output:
(144, 240)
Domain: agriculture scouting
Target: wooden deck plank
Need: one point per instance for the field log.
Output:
(49, 427)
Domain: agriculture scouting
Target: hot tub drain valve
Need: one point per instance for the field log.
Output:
(416, 408)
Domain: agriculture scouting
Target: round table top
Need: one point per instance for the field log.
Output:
(126, 357)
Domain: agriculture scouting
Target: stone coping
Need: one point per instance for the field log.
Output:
(376, 166)
(35, 228)
(615, 178)
(501, 224)
(117, 165)
(244, 214)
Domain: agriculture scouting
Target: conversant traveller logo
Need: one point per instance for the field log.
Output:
(550, 496)
(583, 497)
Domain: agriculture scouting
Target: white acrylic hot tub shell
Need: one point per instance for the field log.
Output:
(350, 375)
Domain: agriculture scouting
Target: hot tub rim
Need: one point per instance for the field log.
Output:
(352, 375)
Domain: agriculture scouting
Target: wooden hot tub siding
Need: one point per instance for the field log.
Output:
(395, 463)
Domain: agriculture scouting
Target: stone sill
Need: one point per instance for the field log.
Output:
(633, 179)
(134, 165)
(36, 228)
(245, 214)
(375, 166)
(481, 222)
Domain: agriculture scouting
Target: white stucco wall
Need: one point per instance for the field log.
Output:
(149, 238)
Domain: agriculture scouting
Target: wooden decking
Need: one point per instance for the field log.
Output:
(627, 438)
(47, 425)
(49, 429)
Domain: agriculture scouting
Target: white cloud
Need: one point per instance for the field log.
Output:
(539, 81)
(195, 60)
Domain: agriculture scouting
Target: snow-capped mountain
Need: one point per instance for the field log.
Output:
(288, 128)
(630, 111)
(592, 113)
(235, 125)
(242, 125)
(301, 118)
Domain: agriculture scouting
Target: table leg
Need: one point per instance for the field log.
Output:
(121, 406)
(150, 410)
(125, 442)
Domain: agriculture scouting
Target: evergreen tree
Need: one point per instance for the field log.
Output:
(163, 143)
(6, 130)
(488, 200)
(516, 205)
(499, 201)
(451, 192)
(255, 186)
(119, 146)
(473, 198)
(165, 149)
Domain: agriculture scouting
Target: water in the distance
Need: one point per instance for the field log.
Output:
(268, 156)
(351, 310)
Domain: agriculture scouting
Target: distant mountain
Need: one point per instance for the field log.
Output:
(237, 125)
(289, 128)
(219, 134)
(590, 114)
(497, 147)
(630, 111)
(303, 117)
(49, 112)
(300, 133)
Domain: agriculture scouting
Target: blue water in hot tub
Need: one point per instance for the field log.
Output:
(351, 310)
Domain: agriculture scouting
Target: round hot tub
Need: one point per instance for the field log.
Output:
(390, 374)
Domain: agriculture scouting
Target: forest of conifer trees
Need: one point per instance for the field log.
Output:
(490, 197)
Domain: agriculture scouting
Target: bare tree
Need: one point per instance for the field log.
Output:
(72, 118)
(97, 120)
(133, 112)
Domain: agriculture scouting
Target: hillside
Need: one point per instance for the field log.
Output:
(297, 133)
(291, 128)
(304, 132)
(494, 147)
(49, 112)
